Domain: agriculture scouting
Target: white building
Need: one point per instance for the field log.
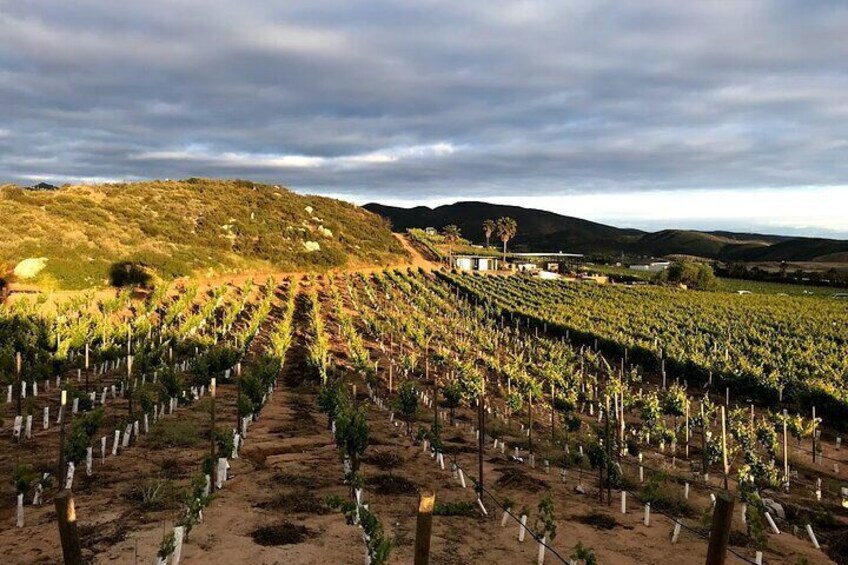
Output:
(474, 263)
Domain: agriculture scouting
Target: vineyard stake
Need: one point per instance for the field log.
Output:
(424, 528)
(785, 450)
(238, 395)
(724, 444)
(212, 429)
(62, 440)
(20, 384)
(814, 434)
(609, 450)
(530, 420)
(68, 532)
(481, 417)
(687, 428)
(720, 530)
(553, 416)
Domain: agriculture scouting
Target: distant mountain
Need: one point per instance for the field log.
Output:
(543, 230)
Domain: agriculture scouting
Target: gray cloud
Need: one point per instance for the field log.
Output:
(428, 98)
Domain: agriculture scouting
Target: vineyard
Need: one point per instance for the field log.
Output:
(305, 419)
(772, 348)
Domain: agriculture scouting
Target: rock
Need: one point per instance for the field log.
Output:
(325, 232)
(308, 210)
(29, 268)
(774, 508)
(579, 489)
(311, 246)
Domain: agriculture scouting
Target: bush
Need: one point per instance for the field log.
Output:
(699, 276)
(129, 274)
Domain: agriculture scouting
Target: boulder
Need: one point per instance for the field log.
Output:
(29, 268)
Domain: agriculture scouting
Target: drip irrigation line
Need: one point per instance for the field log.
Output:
(481, 489)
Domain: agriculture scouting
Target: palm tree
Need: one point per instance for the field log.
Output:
(507, 228)
(452, 235)
(488, 230)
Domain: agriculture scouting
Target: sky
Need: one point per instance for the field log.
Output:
(651, 114)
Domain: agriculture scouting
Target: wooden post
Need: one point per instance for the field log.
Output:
(129, 382)
(687, 428)
(705, 461)
(238, 396)
(62, 469)
(609, 450)
(20, 382)
(530, 421)
(212, 457)
(814, 434)
(724, 444)
(720, 529)
(785, 450)
(435, 400)
(67, 518)
(481, 417)
(424, 527)
(553, 413)
(86, 366)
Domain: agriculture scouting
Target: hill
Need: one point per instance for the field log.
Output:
(543, 230)
(177, 228)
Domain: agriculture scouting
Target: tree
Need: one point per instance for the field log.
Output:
(452, 236)
(488, 229)
(352, 437)
(408, 403)
(695, 275)
(506, 228)
(452, 393)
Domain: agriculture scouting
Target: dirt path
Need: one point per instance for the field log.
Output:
(272, 510)
(418, 260)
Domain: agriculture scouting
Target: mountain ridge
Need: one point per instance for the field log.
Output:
(545, 230)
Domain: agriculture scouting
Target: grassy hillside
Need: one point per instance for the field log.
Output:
(185, 227)
(542, 230)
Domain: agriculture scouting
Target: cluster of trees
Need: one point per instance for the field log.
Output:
(693, 274)
(831, 277)
(505, 228)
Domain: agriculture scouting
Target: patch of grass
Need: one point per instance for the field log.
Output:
(173, 433)
(456, 509)
(154, 494)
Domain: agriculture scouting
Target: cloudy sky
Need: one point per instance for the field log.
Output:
(651, 114)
